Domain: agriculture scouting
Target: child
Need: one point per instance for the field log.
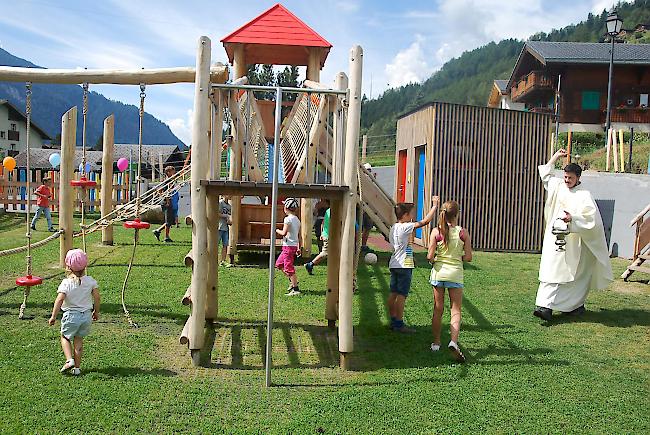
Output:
(449, 246)
(324, 235)
(78, 297)
(290, 233)
(43, 195)
(401, 261)
(170, 209)
(225, 220)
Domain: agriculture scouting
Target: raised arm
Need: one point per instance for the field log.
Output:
(435, 200)
(545, 171)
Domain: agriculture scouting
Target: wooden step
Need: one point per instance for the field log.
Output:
(639, 269)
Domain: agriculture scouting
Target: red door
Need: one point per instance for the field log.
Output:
(401, 176)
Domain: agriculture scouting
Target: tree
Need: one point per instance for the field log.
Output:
(288, 77)
(99, 144)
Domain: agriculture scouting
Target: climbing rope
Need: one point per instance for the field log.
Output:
(31, 246)
(136, 225)
(83, 164)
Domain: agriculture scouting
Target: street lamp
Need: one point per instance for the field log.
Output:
(614, 25)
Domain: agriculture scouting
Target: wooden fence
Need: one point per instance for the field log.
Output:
(13, 186)
(486, 159)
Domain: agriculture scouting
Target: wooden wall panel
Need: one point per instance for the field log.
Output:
(486, 159)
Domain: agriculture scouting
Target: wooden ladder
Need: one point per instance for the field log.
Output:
(641, 242)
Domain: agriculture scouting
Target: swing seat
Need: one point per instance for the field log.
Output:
(29, 281)
(137, 224)
(83, 182)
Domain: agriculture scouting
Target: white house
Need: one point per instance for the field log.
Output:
(500, 97)
(13, 131)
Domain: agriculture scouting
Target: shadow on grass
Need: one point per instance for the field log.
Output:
(624, 318)
(125, 372)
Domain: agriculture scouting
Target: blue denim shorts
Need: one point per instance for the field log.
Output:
(400, 281)
(224, 237)
(446, 284)
(76, 324)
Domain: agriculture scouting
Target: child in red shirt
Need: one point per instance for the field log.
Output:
(43, 194)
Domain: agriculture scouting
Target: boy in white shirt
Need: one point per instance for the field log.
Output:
(290, 234)
(401, 263)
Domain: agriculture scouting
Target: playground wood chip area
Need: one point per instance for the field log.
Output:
(587, 374)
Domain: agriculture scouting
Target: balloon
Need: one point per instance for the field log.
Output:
(122, 164)
(55, 159)
(81, 167)
(9, 163)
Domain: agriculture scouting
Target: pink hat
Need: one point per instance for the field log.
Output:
(76, 260)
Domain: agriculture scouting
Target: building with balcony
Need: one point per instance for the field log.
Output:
(500, 97)
(13, 131)
(582, 69)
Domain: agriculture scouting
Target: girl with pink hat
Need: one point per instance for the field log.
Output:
(78, 298)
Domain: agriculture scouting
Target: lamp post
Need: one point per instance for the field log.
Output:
(614, 25)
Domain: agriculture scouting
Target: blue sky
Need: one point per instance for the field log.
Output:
(403, 41)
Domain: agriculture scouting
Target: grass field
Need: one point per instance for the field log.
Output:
(590, 374)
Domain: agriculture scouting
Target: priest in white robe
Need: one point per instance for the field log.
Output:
(566, 275)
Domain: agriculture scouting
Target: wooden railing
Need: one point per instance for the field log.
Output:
(533, 80)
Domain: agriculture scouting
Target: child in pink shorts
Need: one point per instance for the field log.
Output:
(290, 233)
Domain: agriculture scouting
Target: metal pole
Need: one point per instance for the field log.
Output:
(609, 89)
(274, 212)
(629, 155)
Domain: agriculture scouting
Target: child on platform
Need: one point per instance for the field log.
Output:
(290, 234)
(449, 246)
(43, 195)
(78, 297)
(401, 261)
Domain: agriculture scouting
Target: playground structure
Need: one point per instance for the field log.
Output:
(321, 130)
(484, 158)
(641, 244)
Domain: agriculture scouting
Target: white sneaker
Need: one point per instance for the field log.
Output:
(75, 371)
(455, 350)
(293, 293)
(67, 366)
(435, 347)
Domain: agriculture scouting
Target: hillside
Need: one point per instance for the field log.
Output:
(468, 78)
(50, 102)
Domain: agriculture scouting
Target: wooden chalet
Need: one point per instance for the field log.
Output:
(584, 69)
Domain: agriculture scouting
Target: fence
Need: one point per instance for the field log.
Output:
(13, 189)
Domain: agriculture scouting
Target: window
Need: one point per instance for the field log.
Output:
(13, 127)
(590, 100)
(2, 134)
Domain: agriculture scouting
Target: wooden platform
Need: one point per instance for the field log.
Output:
(250, 188)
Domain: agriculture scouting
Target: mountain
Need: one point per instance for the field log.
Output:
(51, 101)
(468, 78)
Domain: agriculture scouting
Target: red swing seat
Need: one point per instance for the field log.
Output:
(29, 281)
(83, 182)
(137, 224)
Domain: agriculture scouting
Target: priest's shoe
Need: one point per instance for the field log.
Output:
(543, 313)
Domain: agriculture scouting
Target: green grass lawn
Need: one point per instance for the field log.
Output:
(590, 374)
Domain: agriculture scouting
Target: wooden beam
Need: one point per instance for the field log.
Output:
(155, 76)
(107, 176)
(66, 192)
(251, 188)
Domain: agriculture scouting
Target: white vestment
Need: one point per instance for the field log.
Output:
(567, 276)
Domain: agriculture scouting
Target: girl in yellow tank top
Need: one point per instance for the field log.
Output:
(449, 247)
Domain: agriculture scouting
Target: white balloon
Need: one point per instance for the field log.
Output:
(370, 258)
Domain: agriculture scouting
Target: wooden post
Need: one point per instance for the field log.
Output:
(621, 145)
(349, 206)
(218, 132)
(107, 176)
(306, 204)
(66, 192)
(569, 147)
(201, 147)
(212, 204)
(340, 83)
(629, 155)
(239, 67)
(609, 149)
(333, 263)
(364, 147)
(615, 149)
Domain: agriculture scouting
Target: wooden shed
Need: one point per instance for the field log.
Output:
(484, 158)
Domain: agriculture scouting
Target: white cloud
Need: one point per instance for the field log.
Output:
(182, 128)
(408, 65)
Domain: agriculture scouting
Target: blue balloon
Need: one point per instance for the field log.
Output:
(81, 167)
(55, 159)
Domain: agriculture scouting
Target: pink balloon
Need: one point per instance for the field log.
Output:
(122, 164)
